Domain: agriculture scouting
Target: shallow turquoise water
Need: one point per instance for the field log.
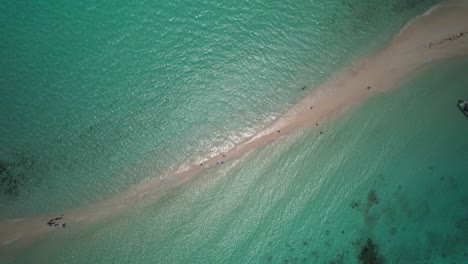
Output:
(311, 198)
(100, 96)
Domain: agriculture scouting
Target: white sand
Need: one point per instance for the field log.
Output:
(445, 26)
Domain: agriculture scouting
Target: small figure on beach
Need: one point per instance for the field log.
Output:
(201, 164)
(311, 107)
(279, 131)
(51, 222)
(316, 124)
(303, 88)
(321, 132)
(64, 224)
(368, 87)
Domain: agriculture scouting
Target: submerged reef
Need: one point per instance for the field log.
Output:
(388, 212)
(14, 172)
(372, 198)
(369, 253)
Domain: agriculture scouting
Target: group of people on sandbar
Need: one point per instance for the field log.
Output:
(54, 222)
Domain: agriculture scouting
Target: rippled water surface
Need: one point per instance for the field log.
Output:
(99, 96)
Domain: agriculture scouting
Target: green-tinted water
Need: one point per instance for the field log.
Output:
(100, 96)
(311, 198)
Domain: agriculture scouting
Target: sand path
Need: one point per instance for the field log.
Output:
(440, 33)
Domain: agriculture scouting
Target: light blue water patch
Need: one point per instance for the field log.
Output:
(99, 96)
(385, 181)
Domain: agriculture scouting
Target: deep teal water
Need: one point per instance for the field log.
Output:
(96, 97)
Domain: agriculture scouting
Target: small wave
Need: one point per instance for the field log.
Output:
(427, 13)
(431, 10)
(12, 240)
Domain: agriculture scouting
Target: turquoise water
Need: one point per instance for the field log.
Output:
(311, 198)
(97, 97)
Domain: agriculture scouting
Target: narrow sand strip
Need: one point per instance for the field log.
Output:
(438, 34)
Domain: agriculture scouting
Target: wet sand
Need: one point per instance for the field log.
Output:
(438, 34)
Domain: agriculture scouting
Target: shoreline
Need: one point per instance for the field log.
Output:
(439, 33)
